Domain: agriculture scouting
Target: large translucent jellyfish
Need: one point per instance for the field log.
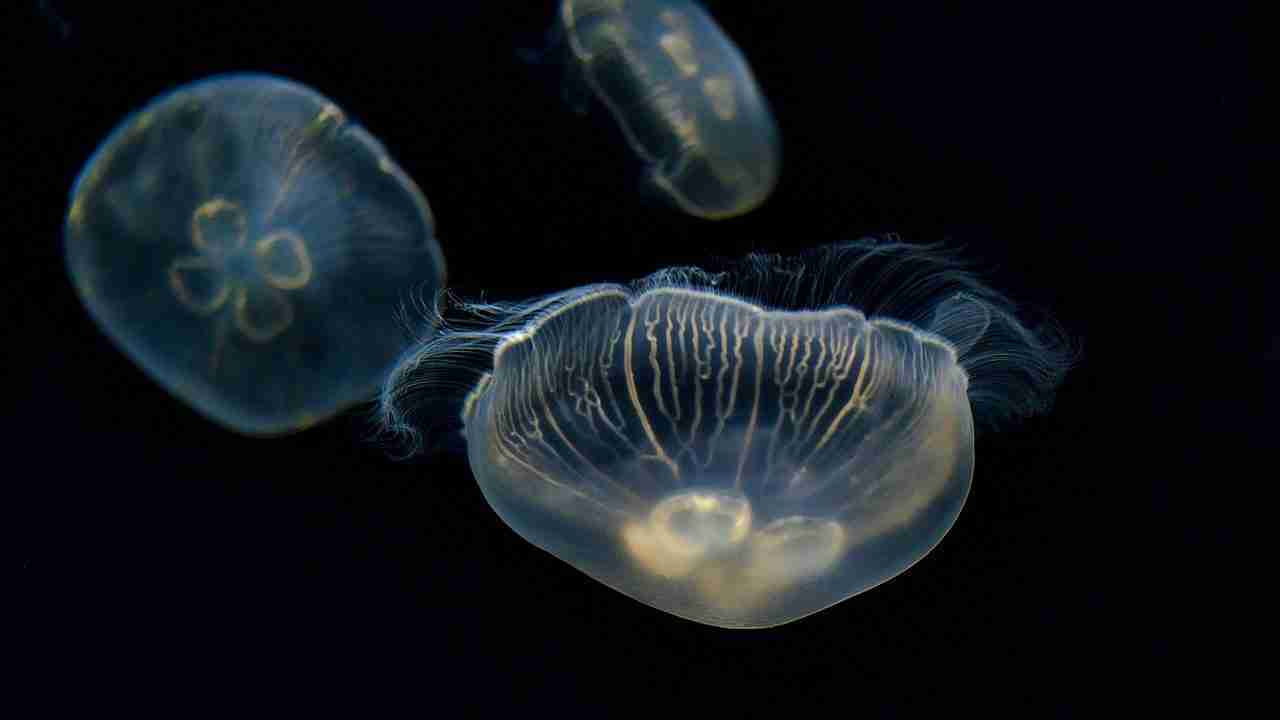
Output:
(740, 448)
(684, 97)
(248, 246)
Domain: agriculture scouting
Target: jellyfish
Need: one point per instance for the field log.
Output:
(248, 246)
(683, 96)
(741, 447)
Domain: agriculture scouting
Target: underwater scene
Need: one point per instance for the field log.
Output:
(557, 356)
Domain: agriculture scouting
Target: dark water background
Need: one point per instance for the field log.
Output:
(1097, 158)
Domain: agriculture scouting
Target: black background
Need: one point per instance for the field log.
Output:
(1095, 159)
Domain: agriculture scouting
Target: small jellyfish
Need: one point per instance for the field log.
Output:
(740, 448)
(683, 96)
(248, 246)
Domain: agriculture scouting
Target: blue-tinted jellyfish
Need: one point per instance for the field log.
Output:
(684, 97)
(741, 448)
(248, 246)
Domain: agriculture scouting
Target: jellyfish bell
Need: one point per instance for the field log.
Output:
(247, 245)
(681, 93)
(739, 448)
